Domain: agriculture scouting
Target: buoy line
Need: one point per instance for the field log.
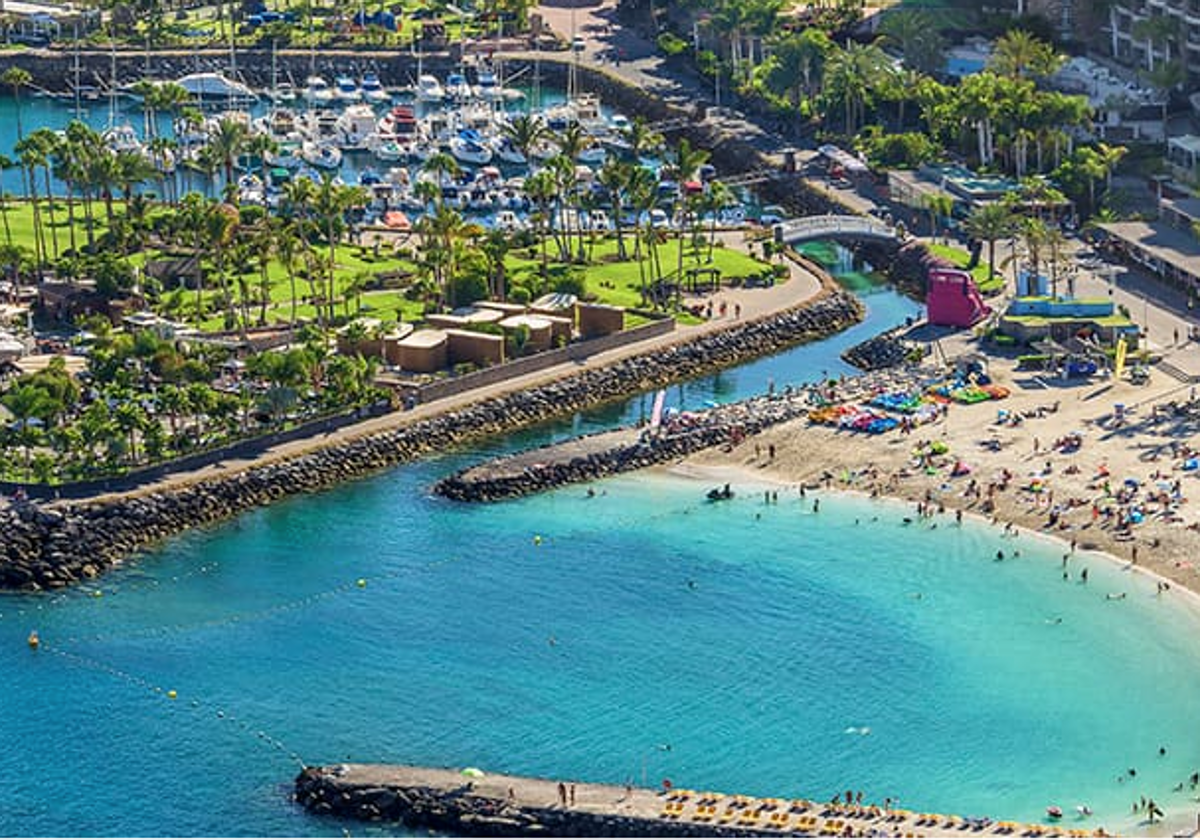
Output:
(245, 617)
(172, 694)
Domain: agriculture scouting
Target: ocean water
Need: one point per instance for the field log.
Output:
(645, 634)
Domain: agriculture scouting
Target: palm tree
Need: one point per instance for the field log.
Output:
(1019, 53)
(850, 75)
(6, 163)
(525, 130)
(17, 78)
(989, 223)
(27, 403)
(48, 143)
(30, 155)
(640, 138)
(288, 244)
(228, 143)
(442, 166)
(687, 161)
(613, 176)
(218, 223)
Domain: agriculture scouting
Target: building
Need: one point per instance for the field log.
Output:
(1181, 38)
(1183, 155)
(1168, 248)
(41, 23)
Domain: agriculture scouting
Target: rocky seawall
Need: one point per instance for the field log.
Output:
(556, 466)
(498, 807)
(49, 547)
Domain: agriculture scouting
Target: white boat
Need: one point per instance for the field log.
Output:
(487, 86)
(346, 90)
(286, 155)
(356, 124)
(373, 90)
(214, 86)
(468, 146)
(429, 89)
(390, 150)
(400, 122)
(457, 87)
(283, 93)
(250, 190)
(594, 155)
(507, 151)
(122, 138)
(321, 155)
(596, 220)
(320, 125)
(509, 221)
(317, 91)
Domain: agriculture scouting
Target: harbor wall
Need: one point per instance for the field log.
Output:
(56, 545)
(463, 810)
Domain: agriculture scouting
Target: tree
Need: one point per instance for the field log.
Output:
(1020, 54)
(28, 403)
(917, 35)
(989, 223)
(851, 73)
(17, 78)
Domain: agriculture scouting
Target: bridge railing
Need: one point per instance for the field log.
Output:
(811, 227)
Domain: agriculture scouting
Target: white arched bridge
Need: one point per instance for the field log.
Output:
(833, 227)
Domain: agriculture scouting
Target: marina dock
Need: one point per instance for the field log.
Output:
(471, 802)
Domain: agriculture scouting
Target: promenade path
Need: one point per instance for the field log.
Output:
(739, 813)
(801, 286)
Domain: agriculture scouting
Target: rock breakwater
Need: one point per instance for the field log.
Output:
(631, 449)
(53, 546)
(496, 806)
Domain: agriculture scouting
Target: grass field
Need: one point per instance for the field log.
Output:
(605, 278)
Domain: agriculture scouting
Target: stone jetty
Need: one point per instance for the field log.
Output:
(56, 545)
(609, 453)
(474, 803)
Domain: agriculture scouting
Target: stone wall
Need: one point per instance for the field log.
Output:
(52, 547)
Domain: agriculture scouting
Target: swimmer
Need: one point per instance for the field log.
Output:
(1115, 596)
(691, 584)
(552, 641)
(999, 556)
(917, 596)
(907, 520)
(1083, 576)
(1055, 620)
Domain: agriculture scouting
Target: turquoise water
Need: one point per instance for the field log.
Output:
(792, 666)
(801, 661)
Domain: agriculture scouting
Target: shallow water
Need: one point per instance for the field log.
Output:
(783, 655)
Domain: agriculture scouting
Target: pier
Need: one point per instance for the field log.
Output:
(471, 802)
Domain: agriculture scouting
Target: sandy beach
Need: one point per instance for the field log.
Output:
(1069, 469)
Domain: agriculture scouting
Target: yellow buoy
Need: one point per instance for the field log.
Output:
(362, 582)
(97, 594)
(537, 539)
(171, 694)
(33, 639)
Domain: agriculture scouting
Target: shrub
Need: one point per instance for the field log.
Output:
(519, 294)
(671, 44)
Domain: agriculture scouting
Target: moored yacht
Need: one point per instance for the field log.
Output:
(373, 90)
(317, 91)
(346, 90)
(429, 89)
(457, 88)
(468, 146)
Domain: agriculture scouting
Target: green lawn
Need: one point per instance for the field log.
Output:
(960, 258)
(619, 283)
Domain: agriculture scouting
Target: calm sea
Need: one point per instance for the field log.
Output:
(645, 635)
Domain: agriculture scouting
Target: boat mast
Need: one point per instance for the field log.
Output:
(78, 104)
